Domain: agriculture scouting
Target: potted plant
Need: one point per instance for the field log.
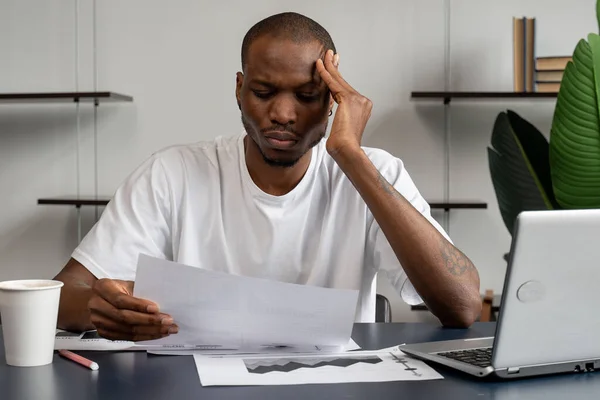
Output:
(531, 173)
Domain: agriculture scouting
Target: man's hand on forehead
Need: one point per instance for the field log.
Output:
(318, 79)
(353, 112)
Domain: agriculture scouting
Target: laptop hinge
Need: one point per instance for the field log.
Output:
(513, 370)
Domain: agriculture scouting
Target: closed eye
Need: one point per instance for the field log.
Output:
(262, 94)
(308, 97)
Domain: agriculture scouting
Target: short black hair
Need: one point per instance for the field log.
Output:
(288, 25)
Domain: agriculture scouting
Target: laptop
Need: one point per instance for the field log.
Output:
(549, 319)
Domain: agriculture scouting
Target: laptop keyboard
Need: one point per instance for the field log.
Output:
(478, 357)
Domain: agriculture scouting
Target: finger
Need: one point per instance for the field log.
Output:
(126, 285)
(329, 73)
(99, 305)
(334, 86)
(331, 63)
(102, 322)
(118, 296)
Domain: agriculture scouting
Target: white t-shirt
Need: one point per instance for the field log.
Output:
(197, 205)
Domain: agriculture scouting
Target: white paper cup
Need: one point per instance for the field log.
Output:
(29, 311)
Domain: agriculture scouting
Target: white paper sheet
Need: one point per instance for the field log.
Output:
(384, 365)
(90, 340)
(222, 311)
(351, 346)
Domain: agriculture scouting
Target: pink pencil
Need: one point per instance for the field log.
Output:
(79, 360)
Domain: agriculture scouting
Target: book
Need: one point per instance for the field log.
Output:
(523, 54)
(549, 75)
(548, 87)
(529, 53)
(553, 63)
(518, 55)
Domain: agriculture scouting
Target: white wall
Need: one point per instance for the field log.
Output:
(179, 62)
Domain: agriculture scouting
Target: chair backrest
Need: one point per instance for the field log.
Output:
(383, 310)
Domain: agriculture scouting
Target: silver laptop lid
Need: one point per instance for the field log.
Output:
(551, 296)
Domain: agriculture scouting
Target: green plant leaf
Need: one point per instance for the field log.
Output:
(536, 153)
(598, 13)
(502, 187)
(519, 167)
(575, 133)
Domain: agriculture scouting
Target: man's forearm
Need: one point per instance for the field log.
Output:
(73, 314)
(444, 277)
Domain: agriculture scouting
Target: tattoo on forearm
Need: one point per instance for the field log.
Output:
(387, 187)
(456, 262)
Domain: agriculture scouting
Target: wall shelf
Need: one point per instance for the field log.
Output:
(448, 96)
(74, 201)
(64, 97)
(102, 201)
(465, 205)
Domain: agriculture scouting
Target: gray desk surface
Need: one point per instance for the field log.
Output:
(136, 375)
(495, 304)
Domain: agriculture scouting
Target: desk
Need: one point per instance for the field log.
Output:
(136, 375)
(495, 305)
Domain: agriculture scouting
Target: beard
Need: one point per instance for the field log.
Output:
(286, 163)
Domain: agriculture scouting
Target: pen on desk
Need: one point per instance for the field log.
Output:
(79, 359)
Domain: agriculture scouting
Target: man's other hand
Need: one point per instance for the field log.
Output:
(117, 315)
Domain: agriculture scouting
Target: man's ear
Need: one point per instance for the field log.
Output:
(239, 81)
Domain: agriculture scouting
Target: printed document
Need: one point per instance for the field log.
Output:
(219, 311)
(294, 369)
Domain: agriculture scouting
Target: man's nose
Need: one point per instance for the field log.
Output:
(283, 110)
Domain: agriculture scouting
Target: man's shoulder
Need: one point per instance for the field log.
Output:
(384, 161)
(200, 152)
(380, 156)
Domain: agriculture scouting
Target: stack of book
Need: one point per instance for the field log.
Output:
(531, 73)
(523, 54)
(549, 72)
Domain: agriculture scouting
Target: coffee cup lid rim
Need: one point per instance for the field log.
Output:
(21, 285)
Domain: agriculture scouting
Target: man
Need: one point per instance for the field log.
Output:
(277, 202)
